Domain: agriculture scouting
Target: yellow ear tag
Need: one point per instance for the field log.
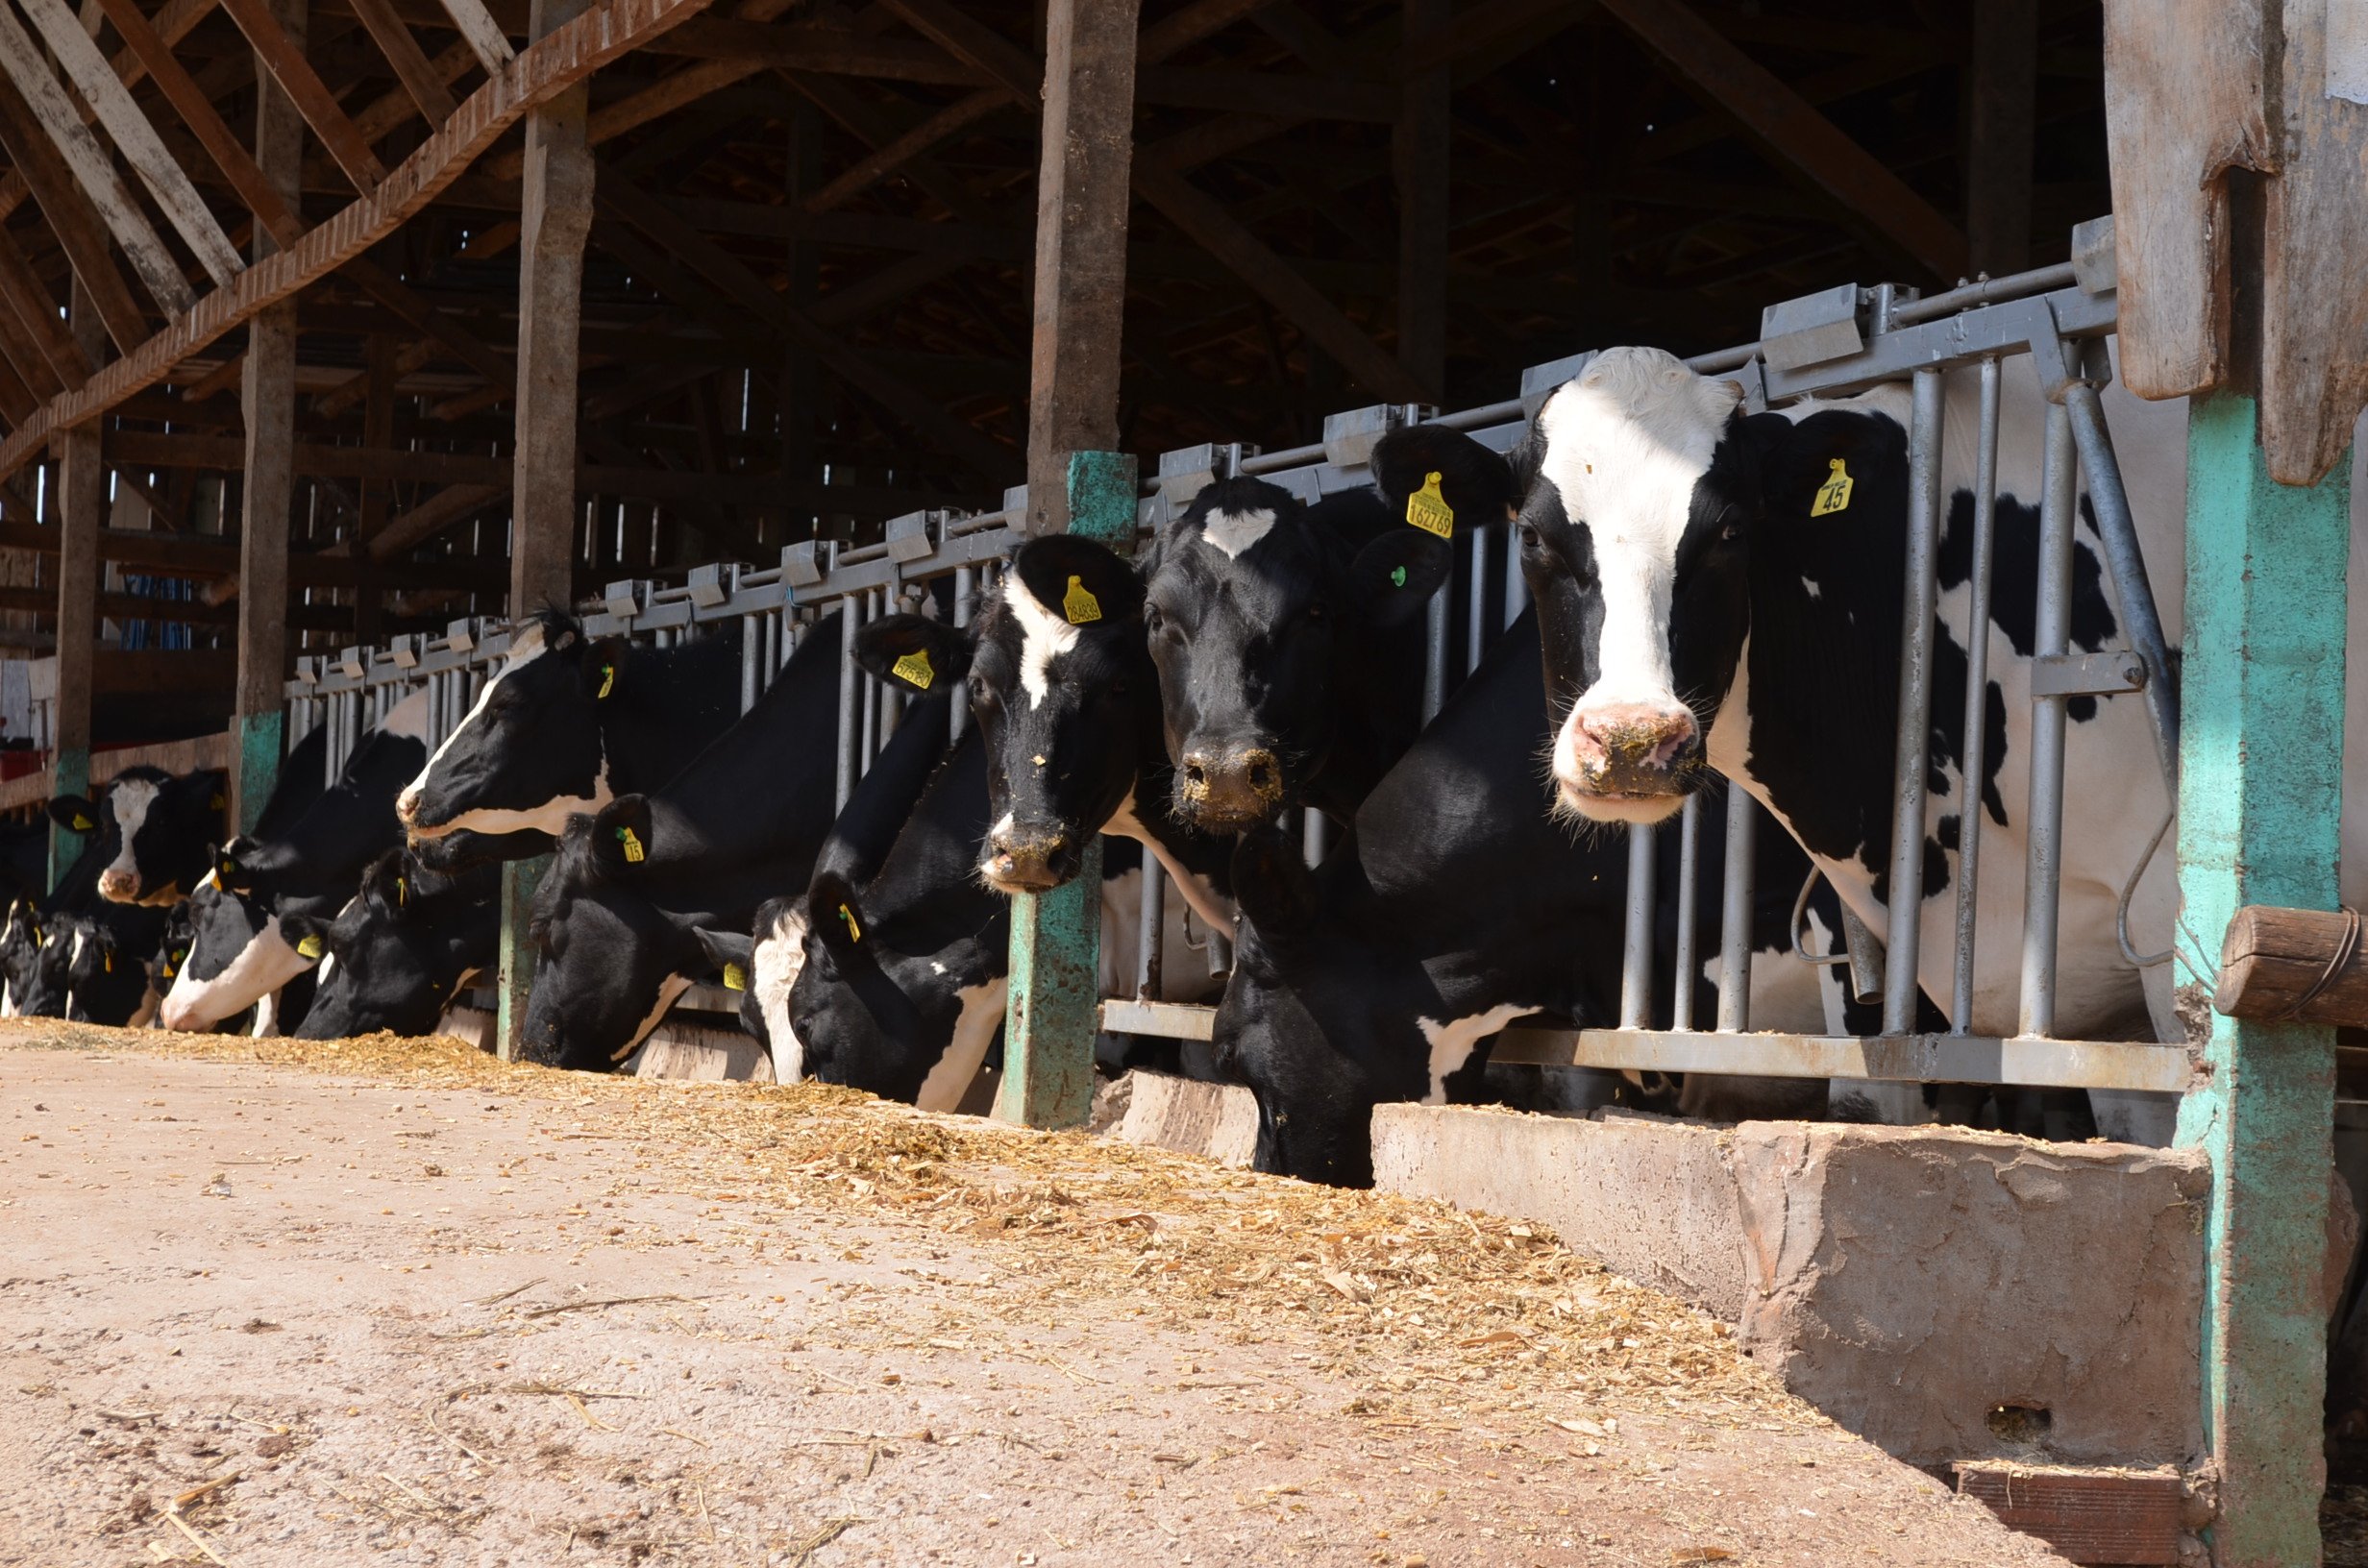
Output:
(633, 852)
(1428, 510)
(914, 668)
(108, 959)
(171, 964)
(1078, 604)
(220, 802)
(735, 978)
(310, 947)
(82, 824)
(1833, 495)
(402, 892)
(855, 932)
(608, 680)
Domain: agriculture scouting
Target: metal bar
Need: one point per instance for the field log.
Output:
(1636, 961)
(1435, 655)
(751, 657)
(965, 598)
(1151, 915)
(1475, 632)
(2052, 634)
(1916, 1058)
(1685, 972)
(1735, 913)
(1915, 660)
(1315, 837)
(891, 699)
(2117, 531)
(1988, 291)
(1517, 586)
(867, 745)
(1976, 746)
(851, 708)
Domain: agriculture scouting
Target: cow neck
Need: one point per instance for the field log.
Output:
(765, 786)
(668, 704)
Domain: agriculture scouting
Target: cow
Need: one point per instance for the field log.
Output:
(567, 724)
(1289, 638)
(21, 947)
(400, 950)
(158, 831)
(1720, 590)
(1456, 907)
(105, 968)
(616, 917)
(311, 865)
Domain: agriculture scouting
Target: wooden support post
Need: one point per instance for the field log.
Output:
(2260, 798)
(554, 217)
(1418, 148)
(1049, 1020)
(377, 424)
(268, 400)
(1081, 201)
(1998, 135)
(82, 507)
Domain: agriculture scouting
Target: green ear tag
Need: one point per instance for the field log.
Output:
(1079, 604)
(1833, 495)
(310, 947)
(608, 680)
(1428, 510)
(855, 932)
(735, 978)
(914, 669)
(1398, 577)
(633, 852)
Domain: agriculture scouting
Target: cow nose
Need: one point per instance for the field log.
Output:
(406, 806)
(1630, 747)
(1228, 789)
(1024, 859)
(117, 884)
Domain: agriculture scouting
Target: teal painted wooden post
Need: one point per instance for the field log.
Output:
(514, 972)
(2261, 790)
(1049, 1022)
(257, 742)
(69, 775)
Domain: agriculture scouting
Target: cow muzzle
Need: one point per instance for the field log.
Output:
(1027, 859)
(1626, 750)
(119, 886)
(1226, 789)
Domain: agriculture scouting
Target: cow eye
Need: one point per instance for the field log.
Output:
(1316, 611)
(1153, 622)
(1731, 522)
(1530, 537)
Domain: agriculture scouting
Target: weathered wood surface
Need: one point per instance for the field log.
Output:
(2091, 1516)
(545, 70)
(173, 757)
(2273, 957)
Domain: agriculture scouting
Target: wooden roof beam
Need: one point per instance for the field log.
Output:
(419, 76)
(305, 89)
(38, 311)
(481, 33)
(75, 223)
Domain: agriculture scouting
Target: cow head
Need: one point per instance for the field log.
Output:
(44, 995)
(1252, 608)
(1064, 694)
(1634, 539)
(105, 979)
(159, 828)
(394, 955)
(236, 954)
(607, 963)
(762, 964)
(528, 753)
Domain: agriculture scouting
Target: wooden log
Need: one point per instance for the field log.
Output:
(2273, 957)
(72, 219)
(484, 37)
(30, 299)
(81, 503)
(2091, 1516)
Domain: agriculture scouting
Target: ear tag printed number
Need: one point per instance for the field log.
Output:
(1833, 495)
(1428, 510)
(914, 670)
(1079, 604)
(310, 947)
(633, 852)
(855, 932)
(608, 680)
(735, 978)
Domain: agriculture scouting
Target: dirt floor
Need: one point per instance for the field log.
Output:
(263, 1303)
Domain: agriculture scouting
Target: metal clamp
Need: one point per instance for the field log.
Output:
(2110, 673)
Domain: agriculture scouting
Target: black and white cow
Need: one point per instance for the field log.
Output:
(400, 949)
(157, 829)
(1062, 687)
(1456, 908)
(105, 965)
(1289, 638)
(1721, 591)
(311, 864)
(617, 916)
(567, 724)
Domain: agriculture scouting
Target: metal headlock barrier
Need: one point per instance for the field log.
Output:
(1843, 340)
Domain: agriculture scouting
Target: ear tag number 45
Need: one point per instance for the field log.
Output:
(1833, 495)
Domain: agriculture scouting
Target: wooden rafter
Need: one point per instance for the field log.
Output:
(72, 219)
(483, 36)
(418, 75)
(30, 300)
(549, 67)
(305, 89)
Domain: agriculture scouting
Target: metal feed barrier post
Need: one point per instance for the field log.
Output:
(2260, 813)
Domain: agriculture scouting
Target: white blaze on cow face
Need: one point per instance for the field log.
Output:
(1625, 446)
(775, 960)
(266, 964)
(1044, 635)
(1451, 1042)
(1230, 533)
(130, 800)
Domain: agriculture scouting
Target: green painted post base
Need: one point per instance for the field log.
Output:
(2260, 790)
(1050, 1020)
(514, 976)
(255, 765)
(69, 775)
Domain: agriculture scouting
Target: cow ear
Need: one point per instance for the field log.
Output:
(1440, 479)
(603, 665)
(1082, 582)
(229, 874)
(308, 934)
(1814, 468)
(75, 813)
(1396, 576)
(1272, 887)
(913, 653)
(621, 833)
(728, 951)
(386, 885)
(833, 912)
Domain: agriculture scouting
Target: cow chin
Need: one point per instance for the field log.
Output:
(1634, 809)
